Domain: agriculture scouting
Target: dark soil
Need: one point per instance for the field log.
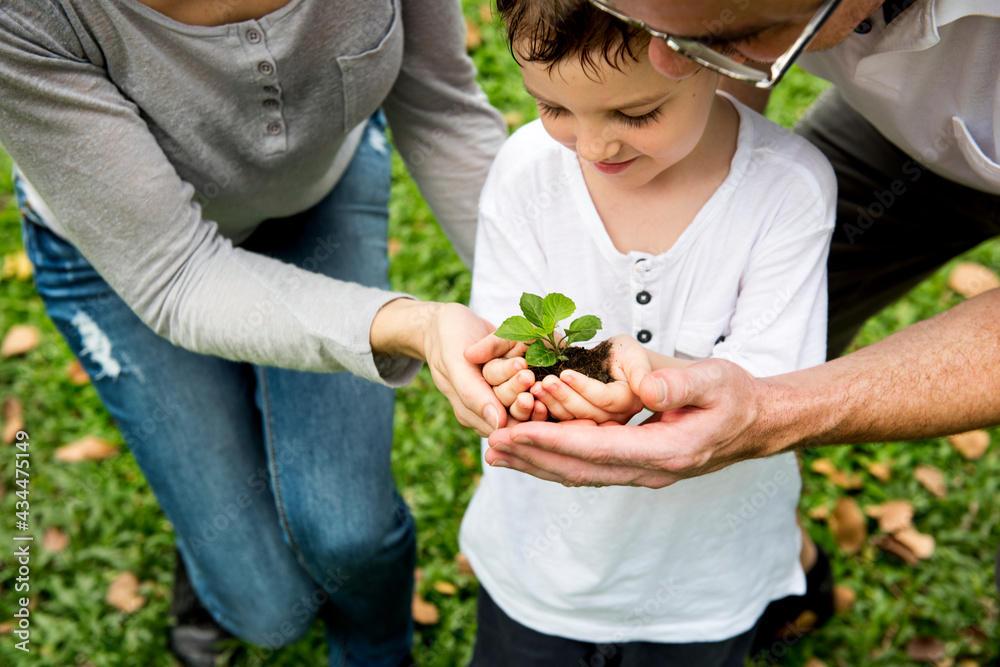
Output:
(592, 362)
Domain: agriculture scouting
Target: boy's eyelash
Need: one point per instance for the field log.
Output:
(628, 121)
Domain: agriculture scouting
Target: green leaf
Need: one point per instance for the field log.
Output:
(540, 355)
(583, 328)
(558, 306)
(531, 306)
(517, 328)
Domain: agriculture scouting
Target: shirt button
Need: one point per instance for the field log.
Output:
(643, 297)
(265, 68)
(271, 90)
(253, 36)
(644, 336)
(274, 128)
(271, 104)
(863, 28)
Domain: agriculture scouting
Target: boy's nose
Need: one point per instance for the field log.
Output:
(593, 147)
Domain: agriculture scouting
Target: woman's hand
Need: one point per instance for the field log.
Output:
(438, 333)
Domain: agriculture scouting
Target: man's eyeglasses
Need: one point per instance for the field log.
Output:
(705, 55)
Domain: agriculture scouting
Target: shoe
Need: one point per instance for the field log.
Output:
(195, 637)
(786, 620)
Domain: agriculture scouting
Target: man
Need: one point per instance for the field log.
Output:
(912, 129)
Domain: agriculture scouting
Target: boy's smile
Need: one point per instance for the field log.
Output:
(629, 126)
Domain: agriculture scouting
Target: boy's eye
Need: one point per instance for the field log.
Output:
(546, 110)
(638, 121)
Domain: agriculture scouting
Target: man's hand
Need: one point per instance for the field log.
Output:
(706, 420)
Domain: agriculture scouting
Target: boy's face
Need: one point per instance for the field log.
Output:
(628, 126)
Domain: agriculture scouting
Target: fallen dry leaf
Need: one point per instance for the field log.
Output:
(17, 265)
(88, 448)
(6, 627)
(920, 544)
(394, 246)
(445, 587)
(925, 649)
(20, 339)
(893, 515)
(76, 374)
(971, 444)
(932, 479)
(55, 540)
(819, 513)
(424, 612)
(823, 467)
(464, 566)
(847, 524)
(843, 598)
(473, 36)
(123, 594)
(969, 279)
(486, 12)
(968, 663)
(466, 457)
(514, 119)
(846, 481)
(891, 545)
(814, 662)
(13, 420)
(880, 471)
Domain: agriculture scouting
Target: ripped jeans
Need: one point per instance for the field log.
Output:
(278, 483)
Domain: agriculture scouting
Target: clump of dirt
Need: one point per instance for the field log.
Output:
(594, 362)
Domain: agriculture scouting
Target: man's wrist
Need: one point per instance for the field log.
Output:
(790, 416)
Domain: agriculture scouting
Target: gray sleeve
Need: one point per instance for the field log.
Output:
(444, 128)
(86, 149)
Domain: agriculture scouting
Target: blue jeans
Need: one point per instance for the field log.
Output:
(277, 482)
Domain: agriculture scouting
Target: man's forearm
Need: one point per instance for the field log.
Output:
(934, 378)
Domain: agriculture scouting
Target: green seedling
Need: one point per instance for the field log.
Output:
(538, 327)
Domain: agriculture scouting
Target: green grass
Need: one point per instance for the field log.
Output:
(114, 523)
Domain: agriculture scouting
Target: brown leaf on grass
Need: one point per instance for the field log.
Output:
(76, 374)
(486, 12)
(473, 36)
(880, 471)
(123, 594)
(847, 524)
(891, 545)
(970, 279)
(967, 663)
(394, 246)
(823, 467)
(818, 513)
(920, 544)
(13, 420)
(846, 481)
(20, 339)
(445, 587)
(893, 515)
(843, 598)
(88, 448)
(932, 479)
(971, 444)
(424, 612)
(55, 540)
(6, 627)
(466, 457)
(814, 662)
(464, 566)
(926, 649)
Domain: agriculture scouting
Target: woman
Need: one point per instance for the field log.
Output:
(204, 191)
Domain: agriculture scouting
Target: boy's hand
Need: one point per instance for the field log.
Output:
(573, 395)
(505, 369)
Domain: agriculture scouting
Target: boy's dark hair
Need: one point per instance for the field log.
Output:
(548, 31)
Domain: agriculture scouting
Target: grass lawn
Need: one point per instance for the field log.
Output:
(114, 525)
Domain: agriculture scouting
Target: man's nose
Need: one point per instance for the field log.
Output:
(668, 62)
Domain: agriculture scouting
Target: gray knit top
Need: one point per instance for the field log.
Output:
(157, 146)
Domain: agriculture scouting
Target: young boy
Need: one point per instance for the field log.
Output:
(699, 228)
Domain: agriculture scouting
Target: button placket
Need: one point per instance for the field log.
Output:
(266, 79)
(645, 316)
